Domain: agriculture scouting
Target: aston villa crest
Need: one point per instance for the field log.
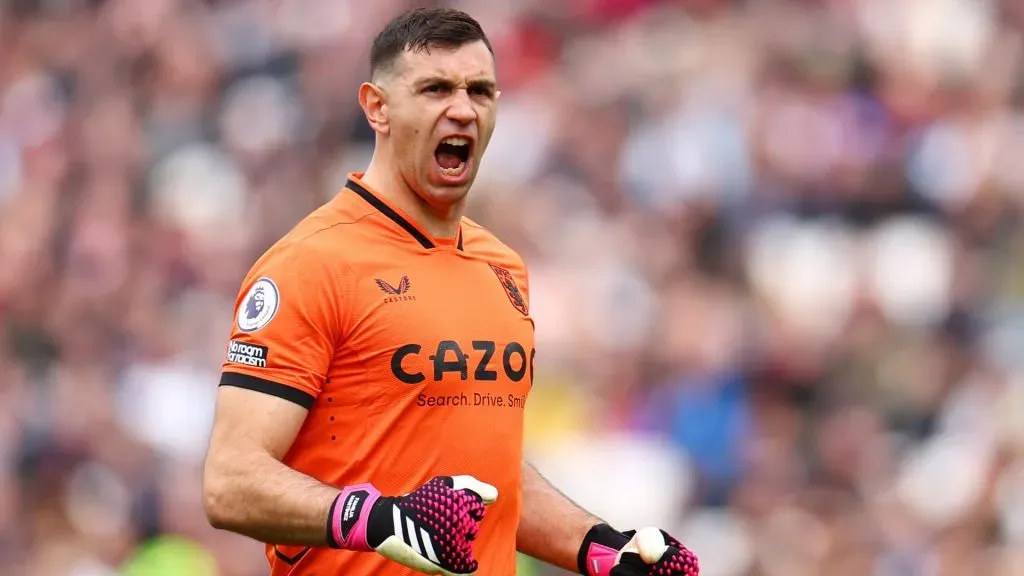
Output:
(511, 289)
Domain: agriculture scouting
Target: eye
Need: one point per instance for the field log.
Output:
(484, 91)
(436, 89)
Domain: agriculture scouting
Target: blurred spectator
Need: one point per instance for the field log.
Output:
(776, 264)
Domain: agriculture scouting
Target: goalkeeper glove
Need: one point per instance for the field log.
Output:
(608, 552)
(430, 529)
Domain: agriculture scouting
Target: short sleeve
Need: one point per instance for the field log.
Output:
(287, 322)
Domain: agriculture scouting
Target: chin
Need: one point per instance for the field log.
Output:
(445, 194)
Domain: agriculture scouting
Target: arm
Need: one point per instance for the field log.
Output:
(281, 345)
(248, 490)
(555, 530)
(246, 487)
(551, 527)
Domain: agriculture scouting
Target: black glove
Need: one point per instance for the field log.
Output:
(608, 552)
(430, 530)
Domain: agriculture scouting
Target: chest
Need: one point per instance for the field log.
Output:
(442, 318)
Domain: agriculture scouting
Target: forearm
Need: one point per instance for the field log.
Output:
(551, 527)
(257, 496)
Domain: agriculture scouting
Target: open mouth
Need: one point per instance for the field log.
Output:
(452, 155)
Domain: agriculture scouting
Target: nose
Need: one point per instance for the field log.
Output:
(461, 108)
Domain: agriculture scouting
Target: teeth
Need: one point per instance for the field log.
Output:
(454, 171)
(455, 141)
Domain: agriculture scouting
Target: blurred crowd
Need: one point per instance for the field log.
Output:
(776, 266)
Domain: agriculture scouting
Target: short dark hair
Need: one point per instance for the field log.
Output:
(423, 29)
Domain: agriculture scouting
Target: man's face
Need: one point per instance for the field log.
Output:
(441, 108)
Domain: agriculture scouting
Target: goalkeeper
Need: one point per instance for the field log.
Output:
(370, 411)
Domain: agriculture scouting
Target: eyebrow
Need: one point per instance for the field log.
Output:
(478, 83)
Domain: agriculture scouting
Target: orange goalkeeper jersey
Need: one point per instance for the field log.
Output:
(414, 356)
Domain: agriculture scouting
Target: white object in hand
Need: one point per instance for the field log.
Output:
(648, 543)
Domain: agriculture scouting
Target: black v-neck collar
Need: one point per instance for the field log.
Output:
(397, 218)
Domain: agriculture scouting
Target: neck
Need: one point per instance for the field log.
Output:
(439, 221)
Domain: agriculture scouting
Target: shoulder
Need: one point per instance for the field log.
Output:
(328, 237)
(482, 242)
(304, 273)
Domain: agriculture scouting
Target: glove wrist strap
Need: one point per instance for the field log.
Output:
(349, 516)
(599, 550)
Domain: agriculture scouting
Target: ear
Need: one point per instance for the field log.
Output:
(372, 101)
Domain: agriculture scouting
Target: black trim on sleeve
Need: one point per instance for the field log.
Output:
(282, 391)
(290, 560)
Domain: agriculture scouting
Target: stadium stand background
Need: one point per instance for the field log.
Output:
(777, 266)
